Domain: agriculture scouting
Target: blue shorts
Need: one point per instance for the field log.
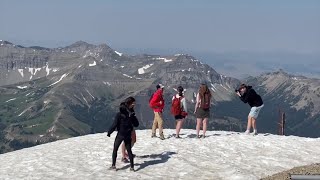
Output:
(255, 111)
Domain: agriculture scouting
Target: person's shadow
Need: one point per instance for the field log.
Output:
(158, 159)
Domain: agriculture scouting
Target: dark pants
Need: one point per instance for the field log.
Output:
(117, 143)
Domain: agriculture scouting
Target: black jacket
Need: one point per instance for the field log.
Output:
(251, 97)
(124, 122)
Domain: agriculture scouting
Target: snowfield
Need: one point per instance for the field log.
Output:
(222, 155)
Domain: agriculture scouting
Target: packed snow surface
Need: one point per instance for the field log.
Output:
(222, 155)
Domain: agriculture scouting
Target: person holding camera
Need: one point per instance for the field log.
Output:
(248, 95)
(124, 123)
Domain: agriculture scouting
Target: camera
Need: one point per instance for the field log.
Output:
(237, 90)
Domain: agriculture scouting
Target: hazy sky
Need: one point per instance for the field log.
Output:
(198, 25)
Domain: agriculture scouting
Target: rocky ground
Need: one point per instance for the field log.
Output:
(313, 169)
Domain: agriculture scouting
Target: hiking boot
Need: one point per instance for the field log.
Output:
(132, 170)
(113, 168)
(153, 135)
(198, 136)
(125, 160)
(255, 132)
(162, 137)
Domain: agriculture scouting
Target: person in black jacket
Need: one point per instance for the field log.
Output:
(124, 122)
(249, 95)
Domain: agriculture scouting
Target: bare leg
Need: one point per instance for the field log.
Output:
(205, 124)
(249, 124)
(123, 150)
(179, 126)
(199, 121)
(253, 121)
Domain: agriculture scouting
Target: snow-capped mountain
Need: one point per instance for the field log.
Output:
(49, 94)
(221, 155)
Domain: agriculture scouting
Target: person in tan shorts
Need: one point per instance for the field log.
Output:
(157, 104)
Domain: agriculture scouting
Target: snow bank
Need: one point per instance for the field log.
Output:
(141, 70)
(222, 155)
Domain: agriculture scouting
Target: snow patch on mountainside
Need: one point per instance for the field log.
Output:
(222, 155)
(47, 69)
(126, 75)
(34, 71)
(119, 53)
(22, 87)
(142, 70)
(11, 100)
(164, 59)
(106, 83)
(21, 72)
(93, 64)
(63, 76)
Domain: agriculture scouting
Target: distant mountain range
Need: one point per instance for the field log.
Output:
(50, 94)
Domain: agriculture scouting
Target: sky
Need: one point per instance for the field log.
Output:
(202, 25)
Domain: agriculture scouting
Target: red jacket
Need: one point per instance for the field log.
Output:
(155, 101)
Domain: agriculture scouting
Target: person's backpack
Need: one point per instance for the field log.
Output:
(206, 102)
(176, 106)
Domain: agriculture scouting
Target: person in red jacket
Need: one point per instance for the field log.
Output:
(157, 104)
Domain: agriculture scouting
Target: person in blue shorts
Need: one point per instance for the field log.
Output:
(248, 95)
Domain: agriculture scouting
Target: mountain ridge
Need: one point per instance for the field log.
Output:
(59, 93)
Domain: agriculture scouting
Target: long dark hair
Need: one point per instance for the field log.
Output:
(127, 102)
(180, 90)
(204, 93)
